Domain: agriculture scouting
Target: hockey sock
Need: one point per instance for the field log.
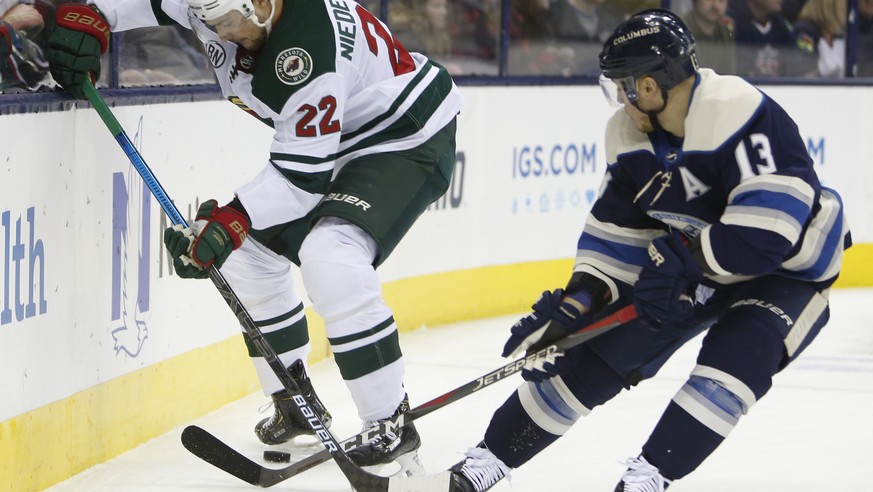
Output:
(702, 400)
(513, 437)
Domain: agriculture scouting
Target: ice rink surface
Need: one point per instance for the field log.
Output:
(812, 433)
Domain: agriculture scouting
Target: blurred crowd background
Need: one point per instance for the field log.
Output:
(812, 39)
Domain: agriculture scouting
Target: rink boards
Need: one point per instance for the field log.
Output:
(104, 348)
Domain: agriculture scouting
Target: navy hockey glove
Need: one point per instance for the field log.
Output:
(216, 232)
(74, 48)
(554, 316)
(663, 293)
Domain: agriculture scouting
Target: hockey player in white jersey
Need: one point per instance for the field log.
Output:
(364, 141)
(711, 218)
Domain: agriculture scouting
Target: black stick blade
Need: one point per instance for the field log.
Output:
(215, 452)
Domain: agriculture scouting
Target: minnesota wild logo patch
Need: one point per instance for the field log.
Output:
(293, 66)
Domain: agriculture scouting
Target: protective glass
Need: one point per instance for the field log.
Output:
(618, 92)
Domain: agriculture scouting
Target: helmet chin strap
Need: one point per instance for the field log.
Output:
(653, 114)
(268, 24)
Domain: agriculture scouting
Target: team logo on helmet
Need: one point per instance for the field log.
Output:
(293, 66)
(636, 34)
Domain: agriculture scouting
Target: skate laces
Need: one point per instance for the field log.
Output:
(483, 469)
(275, 416)
(641, 476)
(264, 408)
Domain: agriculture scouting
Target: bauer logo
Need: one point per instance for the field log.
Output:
(131, 257)
(23, 267)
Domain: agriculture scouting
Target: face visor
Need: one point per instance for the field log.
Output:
(619, 91)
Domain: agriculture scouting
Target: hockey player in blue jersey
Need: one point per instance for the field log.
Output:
(710, 218)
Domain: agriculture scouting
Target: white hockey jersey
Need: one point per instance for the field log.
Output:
(331, 80)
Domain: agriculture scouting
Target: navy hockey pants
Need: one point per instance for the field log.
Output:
(755, 330)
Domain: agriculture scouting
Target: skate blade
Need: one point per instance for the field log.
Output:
(407, 465)
(410, 465)
(299, 447)
(303, 441)
(439, 482)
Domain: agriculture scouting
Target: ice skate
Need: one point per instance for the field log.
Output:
(286, 423)
(478, 472)
(399, 446)
(641, 477)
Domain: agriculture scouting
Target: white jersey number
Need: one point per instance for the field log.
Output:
(765, 165)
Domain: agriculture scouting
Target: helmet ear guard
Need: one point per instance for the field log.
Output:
(654, 43)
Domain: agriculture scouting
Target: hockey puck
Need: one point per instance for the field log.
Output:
(277, 456)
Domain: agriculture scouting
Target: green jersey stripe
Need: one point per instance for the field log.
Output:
(362, 334)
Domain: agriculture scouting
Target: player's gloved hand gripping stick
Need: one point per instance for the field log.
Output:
(219, 454)
(360, 480)
(216, 452)
(555, 315)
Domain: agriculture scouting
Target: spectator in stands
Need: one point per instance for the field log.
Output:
(532, 49)
(530, 19)
(162, 55)
(765, 40)
(583, 26)
(865, 38)
(475, 28)
(790, 9)
(821, 30)
(713, 31)
(681, 7)
(421, 26)
(628, 7)
(22, 64)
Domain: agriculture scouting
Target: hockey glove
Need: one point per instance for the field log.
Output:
(663, 292)
(554, 316)
(216, 232)
(75, 46)
(22, 63)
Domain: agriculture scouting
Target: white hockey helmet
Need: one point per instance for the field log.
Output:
(207, 10)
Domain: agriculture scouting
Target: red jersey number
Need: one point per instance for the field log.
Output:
(324, 113)
(401, 62)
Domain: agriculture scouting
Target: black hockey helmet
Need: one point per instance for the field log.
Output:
(653, 42)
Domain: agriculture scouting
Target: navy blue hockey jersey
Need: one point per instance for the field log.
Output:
(741, 180)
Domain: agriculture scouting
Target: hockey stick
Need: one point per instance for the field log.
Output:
(218, 453)
(360, 479)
